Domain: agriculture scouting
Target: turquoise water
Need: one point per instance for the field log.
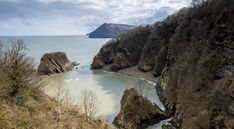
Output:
(107, 86)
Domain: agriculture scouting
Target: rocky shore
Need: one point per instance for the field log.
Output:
(137, 112)
(192, 52)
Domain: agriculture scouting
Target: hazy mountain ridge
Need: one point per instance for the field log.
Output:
(110, 30)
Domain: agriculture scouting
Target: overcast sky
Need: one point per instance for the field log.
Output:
(78, 17)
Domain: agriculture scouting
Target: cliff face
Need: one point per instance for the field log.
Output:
(198, 78)
(142, 46)
(56, 62)
(195, 58)
(110, 30)
(123, 51)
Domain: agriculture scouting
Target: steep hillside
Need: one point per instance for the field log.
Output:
(123, 51)
(193, 53)
(109, 30)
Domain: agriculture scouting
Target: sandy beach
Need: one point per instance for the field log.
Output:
(133, 71)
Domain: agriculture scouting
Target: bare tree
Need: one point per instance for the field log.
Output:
(88, 101)
(18, 72)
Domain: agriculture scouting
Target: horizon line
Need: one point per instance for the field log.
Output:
(37, 35)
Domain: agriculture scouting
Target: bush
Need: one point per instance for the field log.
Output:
(17, 72)
(88, 102)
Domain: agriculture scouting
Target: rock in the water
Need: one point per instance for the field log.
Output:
(56, 62)
(137, 112)
(75, 63)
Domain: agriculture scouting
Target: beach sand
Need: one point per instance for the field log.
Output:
(133, 71)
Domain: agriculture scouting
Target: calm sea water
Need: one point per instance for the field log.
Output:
(107, 86)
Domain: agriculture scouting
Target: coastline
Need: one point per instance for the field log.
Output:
(133, 71)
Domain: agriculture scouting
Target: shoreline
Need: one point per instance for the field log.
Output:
(133, 71)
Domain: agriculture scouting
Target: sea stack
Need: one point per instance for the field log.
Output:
(56, 62)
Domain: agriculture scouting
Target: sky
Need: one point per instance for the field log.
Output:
(79, 17)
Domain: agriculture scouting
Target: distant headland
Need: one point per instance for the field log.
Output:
(110, 30)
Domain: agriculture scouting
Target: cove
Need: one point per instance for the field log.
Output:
(107, 86)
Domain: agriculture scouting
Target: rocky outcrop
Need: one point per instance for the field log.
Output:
(122, 52)
(137, 112)
(56, 62)
(110, 30)
(106, 54)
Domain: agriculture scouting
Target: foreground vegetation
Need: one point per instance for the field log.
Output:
(24, 106)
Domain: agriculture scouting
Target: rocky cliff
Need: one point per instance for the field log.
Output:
(193, 53)
(137, 112)
(110, 30)
(124, 51)
(56, 62)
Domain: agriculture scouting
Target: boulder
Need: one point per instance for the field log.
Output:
(137, 112)
(56, 62)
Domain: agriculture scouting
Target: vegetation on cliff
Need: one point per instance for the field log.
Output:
(124, 51)
(22, 103)
(193, 51)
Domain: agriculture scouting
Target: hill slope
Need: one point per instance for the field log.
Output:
(23, 104)
(109, 30)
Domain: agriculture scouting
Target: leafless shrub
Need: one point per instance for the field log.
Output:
(18, 76)
(88, 102)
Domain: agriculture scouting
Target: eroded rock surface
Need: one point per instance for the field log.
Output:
(137, 112)
(56, 62)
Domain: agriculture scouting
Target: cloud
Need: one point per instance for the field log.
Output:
(66, 17)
